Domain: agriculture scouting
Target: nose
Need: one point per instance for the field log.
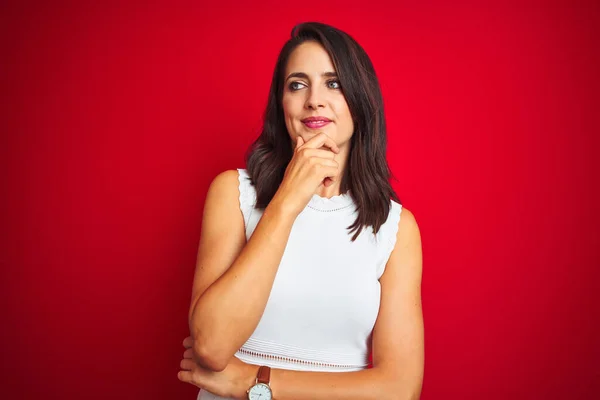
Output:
(315, 99)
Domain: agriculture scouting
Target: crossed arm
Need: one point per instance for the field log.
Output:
(398, 344)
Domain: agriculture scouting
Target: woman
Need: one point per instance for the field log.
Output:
(292, 294)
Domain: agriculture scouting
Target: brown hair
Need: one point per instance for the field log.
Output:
(367, 172)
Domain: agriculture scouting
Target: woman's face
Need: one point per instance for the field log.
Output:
(312, 89)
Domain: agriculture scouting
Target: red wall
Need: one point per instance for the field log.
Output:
(116, 118)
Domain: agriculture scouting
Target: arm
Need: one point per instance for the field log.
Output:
(398, 343)
(398, 349)
(233, 280)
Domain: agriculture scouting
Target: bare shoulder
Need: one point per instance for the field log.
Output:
(408, 229)
(406, 257)
(225, 184)
(222, 209)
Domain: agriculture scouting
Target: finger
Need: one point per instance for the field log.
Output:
(328, 164)
(188, 353)
(326, 168)
(329, 172)
(185, 376)
(319, 153)
(188, 342)
(186, 364)
(321, 140)
(299, 142)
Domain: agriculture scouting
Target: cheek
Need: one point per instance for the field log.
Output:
(287, 114)
(345, 117)
(288, 108)
(285, 106)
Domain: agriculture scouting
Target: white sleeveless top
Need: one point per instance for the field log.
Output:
(325, 298)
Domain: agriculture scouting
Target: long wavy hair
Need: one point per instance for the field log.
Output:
(367, 172)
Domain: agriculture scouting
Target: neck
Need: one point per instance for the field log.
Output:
(328, 192)
(335, 188)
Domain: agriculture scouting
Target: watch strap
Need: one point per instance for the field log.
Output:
(264, 375)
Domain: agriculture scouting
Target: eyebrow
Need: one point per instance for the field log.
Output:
(304, 76)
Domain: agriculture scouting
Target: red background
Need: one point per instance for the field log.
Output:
(116, 118)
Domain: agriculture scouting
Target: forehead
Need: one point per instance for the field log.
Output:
(311, 58)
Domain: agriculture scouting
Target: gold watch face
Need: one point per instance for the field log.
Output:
(260, 391)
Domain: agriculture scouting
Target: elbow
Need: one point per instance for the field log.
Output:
(207, 354)
(413, 395)
(398, 390)
(401, 394)
(411, 392)
(207, 357)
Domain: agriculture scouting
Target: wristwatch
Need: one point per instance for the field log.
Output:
(261, 389)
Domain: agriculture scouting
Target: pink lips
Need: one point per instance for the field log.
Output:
(316, 122)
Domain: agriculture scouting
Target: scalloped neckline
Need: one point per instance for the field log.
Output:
(330, 203)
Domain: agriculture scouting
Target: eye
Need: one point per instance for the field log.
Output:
(293, 86)
(335, 82)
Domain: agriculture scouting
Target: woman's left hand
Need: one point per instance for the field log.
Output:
(234, 381)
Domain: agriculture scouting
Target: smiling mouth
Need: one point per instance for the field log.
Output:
(315, 124)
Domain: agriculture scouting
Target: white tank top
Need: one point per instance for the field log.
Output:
(325, 298)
